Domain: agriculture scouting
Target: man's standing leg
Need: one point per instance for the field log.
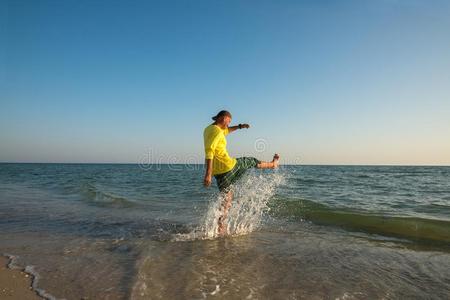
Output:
(225, 206)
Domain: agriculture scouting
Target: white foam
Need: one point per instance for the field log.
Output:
(34, 275)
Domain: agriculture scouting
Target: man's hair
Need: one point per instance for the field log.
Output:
(221, 113)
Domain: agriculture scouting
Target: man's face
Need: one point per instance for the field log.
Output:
(227, 120)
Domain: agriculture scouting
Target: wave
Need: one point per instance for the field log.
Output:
(412, 228)
(310, 181)
(104, 199)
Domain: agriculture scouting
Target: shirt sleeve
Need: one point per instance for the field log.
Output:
(210, 145)
(226, 131)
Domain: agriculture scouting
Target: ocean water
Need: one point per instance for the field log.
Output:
(123, 231)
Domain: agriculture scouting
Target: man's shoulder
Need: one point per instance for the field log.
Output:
(210, 129)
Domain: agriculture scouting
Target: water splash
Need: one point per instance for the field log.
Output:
(251, 195)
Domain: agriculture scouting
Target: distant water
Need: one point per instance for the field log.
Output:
(118, 231)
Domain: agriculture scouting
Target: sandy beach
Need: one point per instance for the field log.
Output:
(14, 283)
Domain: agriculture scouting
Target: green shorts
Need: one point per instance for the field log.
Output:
(225, 180)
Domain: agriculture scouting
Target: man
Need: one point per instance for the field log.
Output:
(225, 169)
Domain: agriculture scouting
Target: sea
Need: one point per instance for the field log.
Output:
(132, 231)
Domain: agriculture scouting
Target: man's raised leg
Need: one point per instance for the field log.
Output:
(269, 165)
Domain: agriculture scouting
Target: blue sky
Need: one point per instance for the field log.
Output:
(320, 82)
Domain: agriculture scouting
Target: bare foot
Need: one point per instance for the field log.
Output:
(275, 160)
(222, 231)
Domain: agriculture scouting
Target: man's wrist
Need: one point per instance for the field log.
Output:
(240, 126)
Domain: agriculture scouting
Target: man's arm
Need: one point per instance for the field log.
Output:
(210, 146)
(208, 174)
(240, 126)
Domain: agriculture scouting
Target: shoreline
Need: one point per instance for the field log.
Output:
(16, 283)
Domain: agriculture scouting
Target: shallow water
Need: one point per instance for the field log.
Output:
(112, 231)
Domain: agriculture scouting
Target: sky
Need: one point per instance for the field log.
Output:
(319, 82)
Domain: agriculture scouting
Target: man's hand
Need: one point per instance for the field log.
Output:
(245, 126)
(207, 180)
(208, 174)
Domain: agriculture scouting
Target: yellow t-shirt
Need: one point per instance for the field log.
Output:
(216, 149)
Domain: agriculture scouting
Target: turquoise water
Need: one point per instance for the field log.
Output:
(121, 231)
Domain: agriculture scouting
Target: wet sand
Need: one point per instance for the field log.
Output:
(14, 283)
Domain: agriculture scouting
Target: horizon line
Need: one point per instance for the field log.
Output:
(287, 164)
